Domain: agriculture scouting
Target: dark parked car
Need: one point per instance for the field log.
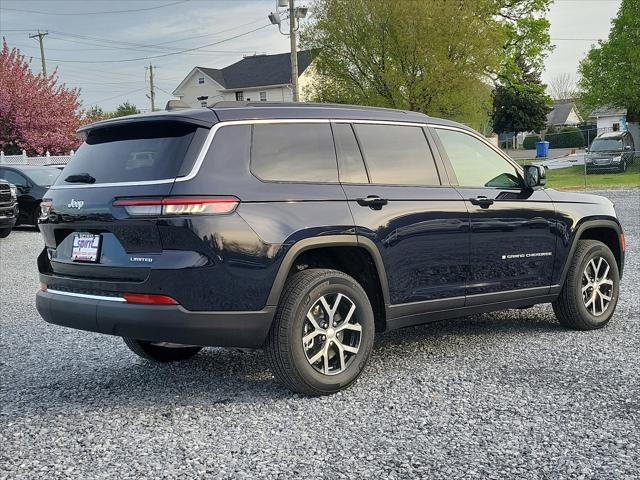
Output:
(8, 207)
(611, 151)
(305, 229)
(32, 183)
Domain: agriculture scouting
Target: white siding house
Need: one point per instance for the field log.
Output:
(254, 78)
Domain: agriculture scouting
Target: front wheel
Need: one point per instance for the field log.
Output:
(322, 335)
(160, 353)
(4, 232)
(590, 292)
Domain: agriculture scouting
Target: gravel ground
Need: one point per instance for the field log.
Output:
(504, 395)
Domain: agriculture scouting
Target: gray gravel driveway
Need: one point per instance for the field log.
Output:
(504, 395)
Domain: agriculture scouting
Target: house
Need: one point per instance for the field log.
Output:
(254, 78)
(564, 114)
(613, 119)
(609, 119)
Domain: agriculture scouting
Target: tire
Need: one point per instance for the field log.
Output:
(4, 232)
(623, 166)
(159, 353)
(34, 216)
(571, 308)
(289, 358)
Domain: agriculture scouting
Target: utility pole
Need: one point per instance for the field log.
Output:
(152, 93)
(294, 48)
(41, 36)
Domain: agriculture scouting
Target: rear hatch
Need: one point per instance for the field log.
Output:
(87, 233)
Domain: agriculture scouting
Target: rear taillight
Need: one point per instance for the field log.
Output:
(145, 207)
(148, 299)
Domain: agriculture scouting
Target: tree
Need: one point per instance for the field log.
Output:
(36, 114)
(125, 109)
(610, 73)
(94, 114)
(519, 99)
(521, 105)
(420, 55)
(562, 87)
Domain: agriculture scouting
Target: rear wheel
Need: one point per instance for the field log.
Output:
(322, 335)
(590, 292)
(35, 215)
(4, 232)
(158, 352)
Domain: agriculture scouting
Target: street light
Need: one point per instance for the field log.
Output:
(294, 15)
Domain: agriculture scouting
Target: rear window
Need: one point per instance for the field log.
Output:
(288, 152)
(133, 152)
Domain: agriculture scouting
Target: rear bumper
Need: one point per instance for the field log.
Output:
(165, 323)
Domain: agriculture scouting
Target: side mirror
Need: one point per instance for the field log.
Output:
(534, 176)
(627, 147)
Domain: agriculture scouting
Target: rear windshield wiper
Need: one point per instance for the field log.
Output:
(80, 178)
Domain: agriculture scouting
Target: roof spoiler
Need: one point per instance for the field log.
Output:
(176, 105)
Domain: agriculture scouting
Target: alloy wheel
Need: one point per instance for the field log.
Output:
(331, 334)
(597, 286)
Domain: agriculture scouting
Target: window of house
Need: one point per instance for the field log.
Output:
(475, 163)
(294, 153)
(203, 104)
(616, 127)
(200, 80)
(263, 96)
(350, 161)
(239, 96)
(397, 155)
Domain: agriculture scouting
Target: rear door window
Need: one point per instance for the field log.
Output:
(294, 152)
(133, 152)
(350, 162)
(397, 155)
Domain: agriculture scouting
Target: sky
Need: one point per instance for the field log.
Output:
(100, 45)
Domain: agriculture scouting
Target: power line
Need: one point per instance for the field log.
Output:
(164, 54)
(116, 96)
(91, 13)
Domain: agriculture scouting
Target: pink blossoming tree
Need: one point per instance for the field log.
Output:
(36, 114)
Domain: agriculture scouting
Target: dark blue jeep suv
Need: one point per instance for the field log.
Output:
(305, 229)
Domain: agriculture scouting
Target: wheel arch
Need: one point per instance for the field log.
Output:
(353, 255)
(606, 231)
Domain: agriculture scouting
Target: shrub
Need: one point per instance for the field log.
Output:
(566, 137)
(529, 142)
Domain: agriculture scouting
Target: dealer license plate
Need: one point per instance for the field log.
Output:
(86, 247)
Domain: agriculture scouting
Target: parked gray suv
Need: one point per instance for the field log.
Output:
(611, 151)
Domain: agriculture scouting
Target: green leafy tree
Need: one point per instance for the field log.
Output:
(519, 99)
(610, 73)
(520, 104)
(94, 114)
(423, 55)
(125, 109)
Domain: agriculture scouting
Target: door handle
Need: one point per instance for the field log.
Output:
(482, 201)
(372, 201)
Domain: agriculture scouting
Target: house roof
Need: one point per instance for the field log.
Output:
(258, 71)
(560, 113)
(608, 111)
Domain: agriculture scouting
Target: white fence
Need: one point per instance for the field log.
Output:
(23, 159)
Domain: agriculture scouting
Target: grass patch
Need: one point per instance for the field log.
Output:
(573, 178)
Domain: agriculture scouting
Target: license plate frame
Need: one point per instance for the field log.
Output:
(86, 248)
